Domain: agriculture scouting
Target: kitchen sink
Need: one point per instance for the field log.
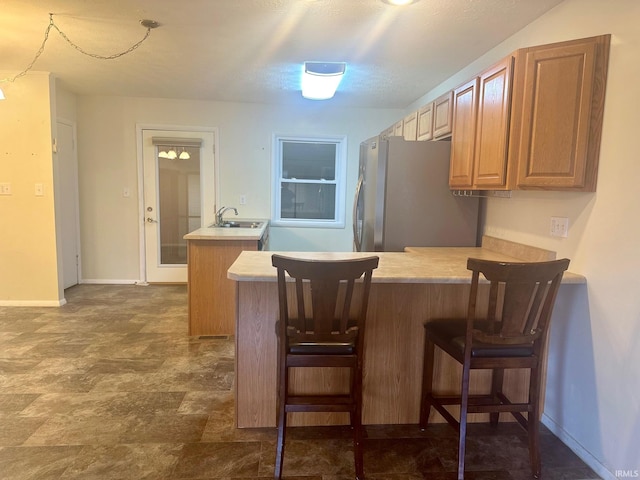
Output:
(239, 224)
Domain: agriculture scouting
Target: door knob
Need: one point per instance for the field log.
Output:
(151, 220)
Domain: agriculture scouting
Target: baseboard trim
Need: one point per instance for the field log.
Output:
(33, 303)
(592, 462)
(110, 281)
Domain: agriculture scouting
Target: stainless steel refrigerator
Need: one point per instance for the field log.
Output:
(402, 198)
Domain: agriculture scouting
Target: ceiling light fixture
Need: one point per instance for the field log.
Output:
(399, 3)
(320, 80)
(148, 24)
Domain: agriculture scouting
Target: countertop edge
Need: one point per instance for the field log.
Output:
(254, 266)
(221, 233)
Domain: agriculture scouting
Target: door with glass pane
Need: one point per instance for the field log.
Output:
(178, 182)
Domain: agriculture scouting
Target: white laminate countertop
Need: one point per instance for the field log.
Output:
(430, 265)
(227, 233)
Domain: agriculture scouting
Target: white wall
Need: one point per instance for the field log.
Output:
(28, 251)
(593, 394)
(107, 164)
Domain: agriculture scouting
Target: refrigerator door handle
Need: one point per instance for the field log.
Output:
(357, 234)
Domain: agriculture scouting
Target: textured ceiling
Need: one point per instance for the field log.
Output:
(252, 50)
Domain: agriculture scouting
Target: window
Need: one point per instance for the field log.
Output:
(309, 182)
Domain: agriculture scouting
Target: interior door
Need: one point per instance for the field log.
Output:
(179, 197)
(67, 203)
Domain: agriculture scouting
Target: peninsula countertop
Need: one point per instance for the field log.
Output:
(424, 265)
(230, 233)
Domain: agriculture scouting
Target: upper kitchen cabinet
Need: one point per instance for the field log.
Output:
(557, 119)
(443, 116)
(398, 128)
(481, 129)
(490, 162)
(435, 119)
(410, 126)
(465, 112)
(425, 122)
(385, 134)
(532, 121)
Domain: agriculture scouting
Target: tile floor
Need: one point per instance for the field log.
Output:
(110, 386)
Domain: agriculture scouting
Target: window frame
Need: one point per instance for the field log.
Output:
(340, 141)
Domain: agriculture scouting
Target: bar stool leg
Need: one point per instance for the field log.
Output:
(427, 383)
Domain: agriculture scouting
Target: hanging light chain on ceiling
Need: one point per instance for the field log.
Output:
(149, 24)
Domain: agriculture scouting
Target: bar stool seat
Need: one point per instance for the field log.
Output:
(512, 335)
(321, 324)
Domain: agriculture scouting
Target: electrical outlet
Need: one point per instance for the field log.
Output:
(5, 189)
(559, 227)
(243, 199)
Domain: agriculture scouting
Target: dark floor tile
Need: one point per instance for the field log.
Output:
(164, 429)
(11, 404)
(79, 430)
(310, 457)
(36, 463)
(126, 365)
(117, 462)
(402, 455)
(46, 383)
(218, 460)
(497, 452)
(16, 430)
(17, 365)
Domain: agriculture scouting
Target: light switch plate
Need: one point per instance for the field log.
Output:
(39, 190)
(559, 227)
(5, 189)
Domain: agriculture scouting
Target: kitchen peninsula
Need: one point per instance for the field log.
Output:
(408, 289)
(210, 252)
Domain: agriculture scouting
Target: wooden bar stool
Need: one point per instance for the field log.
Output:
(511, 335)
(322, 325)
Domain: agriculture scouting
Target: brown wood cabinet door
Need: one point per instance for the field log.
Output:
(465, 107)
(398, 128)
(443, 115)
(561, 114)
(425, 122)
(492, 129)
(410, 127)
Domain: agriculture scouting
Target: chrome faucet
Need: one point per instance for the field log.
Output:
(221, 212)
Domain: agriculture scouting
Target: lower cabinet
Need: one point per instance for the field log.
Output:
(212, 296)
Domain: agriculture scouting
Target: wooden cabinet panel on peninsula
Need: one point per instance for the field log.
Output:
(212, 296)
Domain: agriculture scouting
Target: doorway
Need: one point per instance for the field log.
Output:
(177, 193)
